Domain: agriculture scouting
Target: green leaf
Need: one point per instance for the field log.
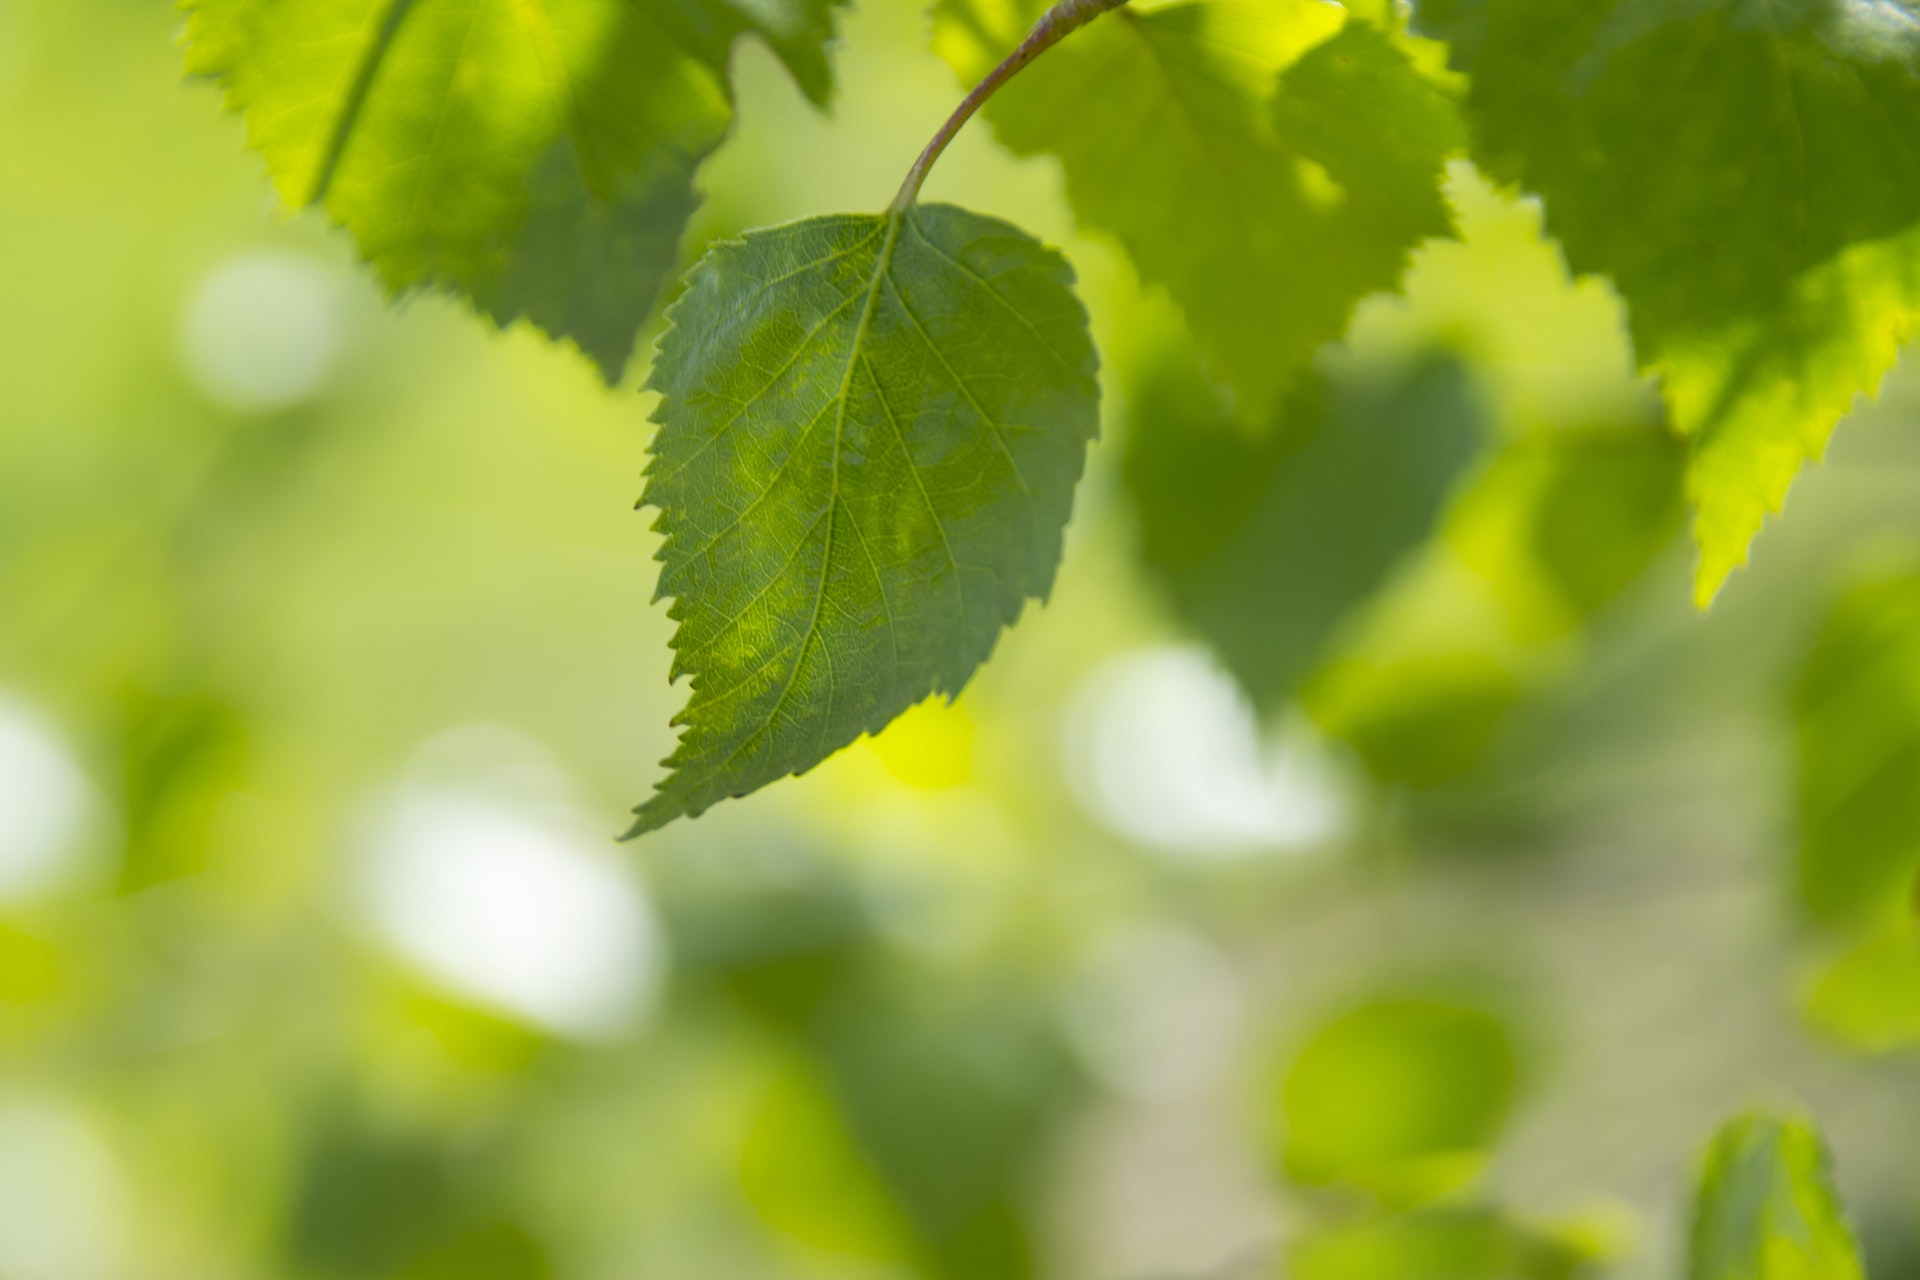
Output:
(799, 33)
(806, 1177)
(1266, 166)
(1747, 177)
(1857, 711)
(1589, 508)
(1424, 714)
(536, 157)
(1565, 513)
(870, 432)
(1767, 1208)
(1403, 1097)
(1868, 998)
(1266, 542)
(1454, 1243)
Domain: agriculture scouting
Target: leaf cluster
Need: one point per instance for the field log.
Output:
(871, 427)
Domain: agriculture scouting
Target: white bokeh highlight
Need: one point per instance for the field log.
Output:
(62, 1211)
(1881, 27)
(492, 889)
(264, 331)
(46, 806)
(1163, 750)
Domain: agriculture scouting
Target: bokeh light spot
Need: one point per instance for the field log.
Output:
(45, 804)
(264, 331)
(1163, 749)
(508, 904)
(930, 747)
(60, 1196)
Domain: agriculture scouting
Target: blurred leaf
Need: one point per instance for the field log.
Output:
(1756, 211)
(473, 1038)
(781, 952)
(401, 1206)
(1434, 1244)
(182, 758)
(1401, 1097)
(1556, 525)
(489, 1251)
(1869, 999)
(1421, 718)
(1767, 1209)
(1857, 709)
(805, 1177)
(1266, 216)
(537, 158)
(909, 1114)
(870, 433)
(1568, 518)
(30, 967)
(366, 1205)
(1266, 543)
(956, 1100)
(800, 33)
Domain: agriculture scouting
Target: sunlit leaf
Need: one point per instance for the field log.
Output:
(870, 433)
(1266, 542)
(1435, 1244)
(1747, 179)
(1265, 166)
(1402, 1096)
(536, 157)
(1869, 998)
(1767, 1209)
(805, 1177)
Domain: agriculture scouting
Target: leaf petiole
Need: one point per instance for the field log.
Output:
(1055, 25)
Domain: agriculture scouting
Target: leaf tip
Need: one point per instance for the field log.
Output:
(654, 813)
(1720, 558)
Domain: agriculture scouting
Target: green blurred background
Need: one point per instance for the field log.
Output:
(328, 672)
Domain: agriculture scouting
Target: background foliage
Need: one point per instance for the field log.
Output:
(1436, 936)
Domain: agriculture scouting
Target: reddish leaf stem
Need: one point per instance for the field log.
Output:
(1054, 26)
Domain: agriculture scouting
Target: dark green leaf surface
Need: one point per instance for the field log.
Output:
(1747, 175)
(870, 432)
(1264, 165)
(1265, 542)
(535, 156)
(1767, 1209)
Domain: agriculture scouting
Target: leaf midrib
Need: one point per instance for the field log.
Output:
(883, 260)
(357, 93)
(664, 477)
